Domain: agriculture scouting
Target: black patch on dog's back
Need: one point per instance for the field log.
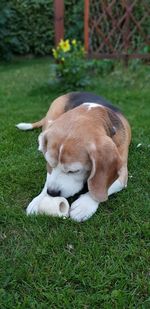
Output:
(77, 98)
(115, 123)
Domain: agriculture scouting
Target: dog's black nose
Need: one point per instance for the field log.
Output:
(53, 193)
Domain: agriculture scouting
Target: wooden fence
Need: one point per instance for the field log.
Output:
(117, 29)
(112, 28)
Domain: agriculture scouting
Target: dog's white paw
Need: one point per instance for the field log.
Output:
(33, 207)
(83, 208)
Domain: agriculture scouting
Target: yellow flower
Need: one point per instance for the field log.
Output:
(61, 43)
(74, 42)
(64, 45)
(55, 54)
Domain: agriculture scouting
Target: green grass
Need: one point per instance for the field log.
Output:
(54, 263)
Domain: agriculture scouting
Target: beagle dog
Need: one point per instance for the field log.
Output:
(84, 139)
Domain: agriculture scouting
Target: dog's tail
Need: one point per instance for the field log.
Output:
(30, 126)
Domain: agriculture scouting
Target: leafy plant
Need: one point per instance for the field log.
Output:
(7, 42)
(71, 64)
(27, 26)
(100, 66)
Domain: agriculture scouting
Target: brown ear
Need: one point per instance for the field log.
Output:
(42, 140)
(106, 163)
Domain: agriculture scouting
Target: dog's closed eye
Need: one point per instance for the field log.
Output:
(73, 172)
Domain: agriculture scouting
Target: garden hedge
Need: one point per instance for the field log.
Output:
(27, 26)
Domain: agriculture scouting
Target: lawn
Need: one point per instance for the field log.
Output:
(55, 263)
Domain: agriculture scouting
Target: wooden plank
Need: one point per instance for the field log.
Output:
(86, 25)
(59, 20)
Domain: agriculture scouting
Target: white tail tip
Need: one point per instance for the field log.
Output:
(24, 126)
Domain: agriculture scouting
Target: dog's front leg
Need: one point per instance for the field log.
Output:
(83, 208)
(34, 205)
(121, 182)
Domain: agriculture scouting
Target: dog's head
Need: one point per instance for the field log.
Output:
(75, 153)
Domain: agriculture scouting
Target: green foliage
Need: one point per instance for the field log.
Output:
(27, 26)
(74, 19)
(71, 64)
(7, 42)
(102, 67)
(32, 25)
(72, 69)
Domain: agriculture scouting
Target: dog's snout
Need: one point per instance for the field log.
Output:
(53, 193)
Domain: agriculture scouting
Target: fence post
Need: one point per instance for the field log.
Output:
(126, 33)
(86, 25)
(59, 20)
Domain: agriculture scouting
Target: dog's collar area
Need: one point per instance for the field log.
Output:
(76, 195)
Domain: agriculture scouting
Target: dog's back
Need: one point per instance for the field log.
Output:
(75, 99)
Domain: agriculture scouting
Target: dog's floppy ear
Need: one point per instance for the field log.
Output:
(42, 140)
(106, 162)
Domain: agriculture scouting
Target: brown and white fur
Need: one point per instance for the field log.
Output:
(84, 139)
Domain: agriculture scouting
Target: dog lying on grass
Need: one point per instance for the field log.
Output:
(84, 139)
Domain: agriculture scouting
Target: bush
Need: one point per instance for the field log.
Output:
(7, 42)
(32, 25)
(71, 64)
(27, 26)
(74, 19)
(72, 69)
